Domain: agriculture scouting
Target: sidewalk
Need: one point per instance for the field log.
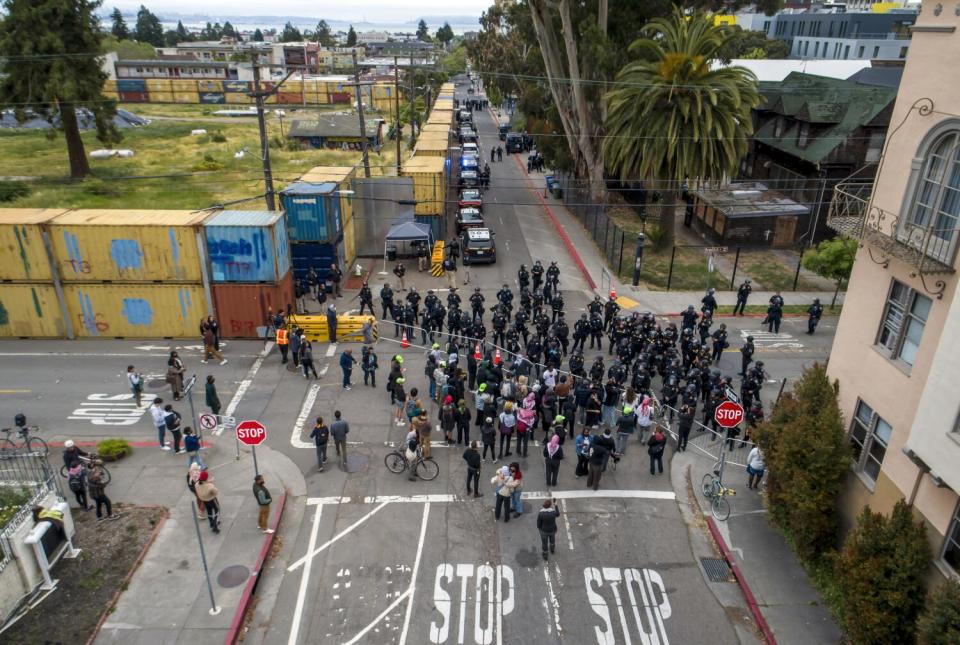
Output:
(167, 600)
(791, 607)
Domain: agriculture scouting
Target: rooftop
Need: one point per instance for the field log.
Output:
(332, 125)
(750, 199)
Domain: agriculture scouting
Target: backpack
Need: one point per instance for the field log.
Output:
(412, 410)
(75, 479)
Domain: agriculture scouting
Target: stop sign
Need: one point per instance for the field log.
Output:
(728, 414)
(253, 433)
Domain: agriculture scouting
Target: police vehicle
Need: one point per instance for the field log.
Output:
(514, 142)
(477, 245)
(467, 135)
(469, 179)
(470, 199)
(471, 149)
(469, 162)
(469, 218)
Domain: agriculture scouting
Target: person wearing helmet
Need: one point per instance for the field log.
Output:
(746, 355)
(743, 292)
(814, 313)
(626, 425)
(72, 454)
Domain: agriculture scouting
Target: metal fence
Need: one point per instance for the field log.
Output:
(704, 440)
(25, 479)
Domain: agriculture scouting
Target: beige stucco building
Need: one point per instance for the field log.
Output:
(897, 348)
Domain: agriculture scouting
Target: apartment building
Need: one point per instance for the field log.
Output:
(844, 36)
(897, 348)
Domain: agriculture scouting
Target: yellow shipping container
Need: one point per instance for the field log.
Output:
(135, 310)
(159, 85)
(21, 243)
(30, 311)
(184, 86)
(113, 96)
(292, 86)
(237, 97)
(443, 104)
(162, 97)
(210, 86)
(429, 183)
(127, 245)
(186, 97)
(444, 117)
(271, 99)
(431, 148)
(436, 128)
(110, 86)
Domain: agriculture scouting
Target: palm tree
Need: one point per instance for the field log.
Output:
(671, 116)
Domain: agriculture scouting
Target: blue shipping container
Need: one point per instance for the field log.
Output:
(212, 97)
(247, 246)
(305, 255)
(236, 86)
(313, 211)
(132, 85)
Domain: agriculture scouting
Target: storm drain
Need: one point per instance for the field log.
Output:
(233, 576)
(717, 569)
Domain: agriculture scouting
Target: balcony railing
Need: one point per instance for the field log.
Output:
(927, 249)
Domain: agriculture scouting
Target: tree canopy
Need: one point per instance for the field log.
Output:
(445, 33)
(118, 25)
(47, 66)
(423, 32)
(128, 49)
(257, 36)
(752, 44)
(148, 28)
(323, 35)
(832, 259)
(290, 34)
(351, 37)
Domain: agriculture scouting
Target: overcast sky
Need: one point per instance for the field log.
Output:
(368, 10)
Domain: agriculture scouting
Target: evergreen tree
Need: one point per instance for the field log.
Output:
(445, 33)
(940, 622)
(423, 32)
(880, 573)
(228, 30)
(45, 65)
(183, 35)
(351, 37)
(149, 29)
(323, 34)
(119, 28)
(257, 36)
(217, 31)
(290, 34)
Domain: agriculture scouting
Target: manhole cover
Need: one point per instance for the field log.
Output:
(156, 384)
(717, 569)
(356, 463)
(233, 576)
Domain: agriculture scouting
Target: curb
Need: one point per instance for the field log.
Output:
(126, 579)
(715, 316)
(133, 444)
(742, 581)
(247, 595)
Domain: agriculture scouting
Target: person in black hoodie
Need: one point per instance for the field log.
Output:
(552, 456)
(547, 526)
(684, 423)
(472, 456)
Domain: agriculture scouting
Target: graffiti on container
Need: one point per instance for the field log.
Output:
(126, 254)
(186, 301)
(75, 260)
(243, 327)
(89, 320)
(137, 311)
(239, 258)
(174, 245)
(78, 266)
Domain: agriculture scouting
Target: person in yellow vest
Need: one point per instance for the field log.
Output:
(283, 343)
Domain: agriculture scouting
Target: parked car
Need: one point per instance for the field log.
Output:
(464, 117)
(468, 179)
(469, 162)
(477, 245)
(469, 218)
(470, 149)
(504, 129)
(471, 198)
(514, 142)
(467, 135)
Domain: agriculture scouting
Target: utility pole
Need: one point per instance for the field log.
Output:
(413, 97)
(363, 125)
(264, 143)
(396, 104)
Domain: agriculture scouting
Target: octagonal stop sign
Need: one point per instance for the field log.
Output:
(252, 433)
(728, 414)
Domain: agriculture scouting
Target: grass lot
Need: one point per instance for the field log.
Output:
(787, 309)
(769, 271)
(171, 169)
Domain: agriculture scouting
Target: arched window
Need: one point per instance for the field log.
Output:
(936, 202)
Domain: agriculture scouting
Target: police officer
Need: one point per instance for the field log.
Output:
(396, 312)
(476, 303)
(520, 324)
(562, 330)
(505, 297)
(409, 320)
(746, 356)
(581, 329)
(595, 306)
(743, 292)
(431, 300)
(453, 321)
(499, 326)
(453, 298)
(535, 353)
(386, 300)
(709, 302)
(537, 273)
(689, 318)
(557, 305)
(610, 311)
(523, 277)
(596, 331)
(775, 313)
(413, 300)
(553, 274)
(542, 323)
(719, 342)
(366, 298)
(814, 313)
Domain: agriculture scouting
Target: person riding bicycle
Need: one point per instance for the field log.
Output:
(72, 454)
(412, 443)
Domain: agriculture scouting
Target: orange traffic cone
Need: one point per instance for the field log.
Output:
(476, 352)
(496, 358)
(613, 294)
(404, 343)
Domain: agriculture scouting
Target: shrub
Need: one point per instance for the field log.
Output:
(112, 447)
(940, 622)
(218, 137)
(656, 236)
(808, 457)
(208, 163)
(11, 190)
(11, 501)
(880, 575)
(94, 186)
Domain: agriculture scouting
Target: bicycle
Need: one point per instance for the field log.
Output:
(89, 462)
(423, 467)
(35, 445)
(717, 494)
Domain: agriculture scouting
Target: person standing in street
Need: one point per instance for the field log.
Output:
(173, 419)
(583, 452)
(472, 456)
(174, 377)
(339, 429)
(207, 493)
(97, 487)
(626, 425)
(346, 364)
(655, 447)
(306, 359)
(320, 436)
(400, 271)
(743, 292)
(283, 342)
(547, 526)
(160, 421)
(552, 456)
(369, 365)
(746, 356)
(262, 495)
(210, 345)
(423, 428)
(774, 313)
(503, 485)
(193, 478)
(295, 341)
(595, 462)
(684, 424)
(814, 313)
(336, 275)
(191, 443)
(136, 384)
(755, 467)
(210, 394)
(332, 321)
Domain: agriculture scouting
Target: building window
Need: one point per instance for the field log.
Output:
(869, 438)
(778, 127)
(860, 51)
(806, 48)
(903, 52)
(876, 52)
(936, 203)
(803, 134)
(904, 320)
(816, 49)
(951, 545)
(846, 52)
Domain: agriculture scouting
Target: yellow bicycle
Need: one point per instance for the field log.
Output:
(717, 494)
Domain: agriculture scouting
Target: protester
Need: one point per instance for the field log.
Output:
(210, 394)
(97, 487)
(262, 495)
(553, 455)
(339, 430)
(207, 493)
(320, 436)
(472, 456)
(547, 526)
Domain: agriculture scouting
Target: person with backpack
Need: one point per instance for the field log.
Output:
(320, 436)
(463, 422)
(77, 481)
(583, 452)
(191, 444)
(160, 421)
(655, 448)
(172, 419)
(448, 419)
(526, 420)
(399, 399)
(207, 493)
(489, 436)
(369, 365)
(472, 456)
(97, 487)
(262, 495)
(508, 424)
(626, 425)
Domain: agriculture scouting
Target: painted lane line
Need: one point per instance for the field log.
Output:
(383, 614)
(305, 409)
(244, 385)
(331, 350)
(554, 603)
(413, 575)
(100, 354)
(440, 498)
(304, 582)
(566, 523)
(312, 554)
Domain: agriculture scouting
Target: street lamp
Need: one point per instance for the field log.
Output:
(639, 259)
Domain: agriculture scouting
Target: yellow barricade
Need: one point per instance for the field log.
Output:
(349, 328)
(436, 262)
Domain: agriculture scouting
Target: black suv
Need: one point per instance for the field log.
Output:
(477, 246)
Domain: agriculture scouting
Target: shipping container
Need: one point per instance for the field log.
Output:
(444, 117)
(443, 104)
(293, 86)
(136, 310)
(213, 97)
(289, 98)
(113, 96)
(131, 85)
(30, 311)
(432, 146)
(110, 85)
(339, 97)
(429, 183)
(435, 222)
(210, 86)
(237, 98)
(21, 243)
(159, 85)
(186, 97)
(161, 97)
(184, 85)
(127, 245)
(316, 255)
(313, 211)
(236, 86)
(438, 128)
(341, 176)
(247, 246)
(270, 99)
(243, 309)
(133, 97)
